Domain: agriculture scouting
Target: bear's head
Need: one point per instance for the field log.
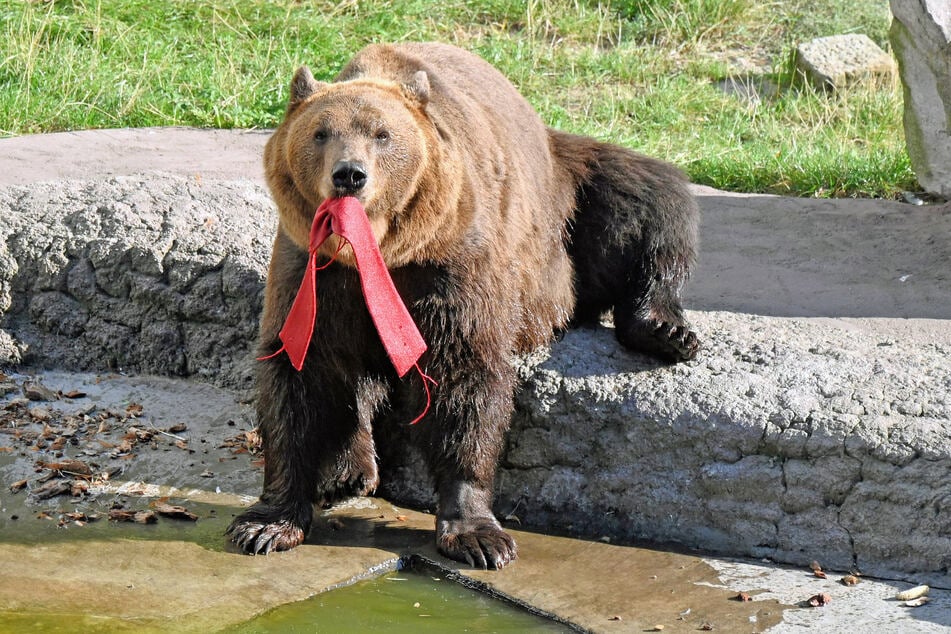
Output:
(367, 138)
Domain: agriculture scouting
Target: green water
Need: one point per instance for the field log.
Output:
(404, 601)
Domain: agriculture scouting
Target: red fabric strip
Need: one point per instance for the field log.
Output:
(401, 338)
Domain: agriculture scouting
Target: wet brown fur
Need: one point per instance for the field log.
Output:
(496, 231)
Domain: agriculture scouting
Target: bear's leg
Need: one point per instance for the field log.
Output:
(648, 316)
(633, 240)
(463, 437)
(315, 451)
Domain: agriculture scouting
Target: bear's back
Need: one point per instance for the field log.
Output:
(520, 198)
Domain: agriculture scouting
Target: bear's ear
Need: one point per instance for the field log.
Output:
(302, 86)
(418, 89)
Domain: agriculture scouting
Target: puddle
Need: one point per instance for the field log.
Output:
(410, 601)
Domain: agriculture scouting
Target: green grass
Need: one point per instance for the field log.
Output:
(641, 73)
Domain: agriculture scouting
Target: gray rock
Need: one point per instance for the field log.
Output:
(839, 61)
(921, 38)
(164, 276)
(793, 439)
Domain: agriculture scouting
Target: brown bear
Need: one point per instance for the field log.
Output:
(497, 232)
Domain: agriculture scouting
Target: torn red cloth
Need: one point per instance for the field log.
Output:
(401, 338)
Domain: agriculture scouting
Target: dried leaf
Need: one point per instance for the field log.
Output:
(40, 414)
(618, 618)
(140, 517)
(916, 603)
(849, 580)
(19, 485)
(133, 409)
(75, 394)
(72, 467)
(706, 627)
(815, 566)
(182, 444)
(78, 488)
(38, 392)
(174, 511)
(743, 597)
(51, 489)
(819, 600)
(912, 593)
(820, 574)
(178, 428)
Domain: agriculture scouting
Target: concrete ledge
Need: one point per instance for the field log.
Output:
(788, 437)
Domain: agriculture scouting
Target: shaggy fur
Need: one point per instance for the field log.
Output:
(496, 230)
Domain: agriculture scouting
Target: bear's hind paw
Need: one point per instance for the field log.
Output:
(668, 341)
(479, 543)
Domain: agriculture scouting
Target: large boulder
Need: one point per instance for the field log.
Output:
(921, 39)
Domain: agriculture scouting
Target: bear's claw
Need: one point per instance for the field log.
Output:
(480, 543)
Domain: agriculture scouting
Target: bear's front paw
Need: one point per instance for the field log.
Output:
(263, 528)
(480, 542)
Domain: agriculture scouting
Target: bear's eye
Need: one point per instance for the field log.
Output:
(320, 136)
(382, 135)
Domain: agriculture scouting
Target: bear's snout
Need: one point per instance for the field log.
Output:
(348, 176)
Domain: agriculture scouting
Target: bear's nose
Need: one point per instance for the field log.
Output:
(349, 176)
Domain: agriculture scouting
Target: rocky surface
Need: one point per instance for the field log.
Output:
(921, 38)
(161, 275)
(838, 61)
(789, 437)
(784, 439)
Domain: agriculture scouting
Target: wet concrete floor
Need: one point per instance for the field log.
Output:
(148, 441)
